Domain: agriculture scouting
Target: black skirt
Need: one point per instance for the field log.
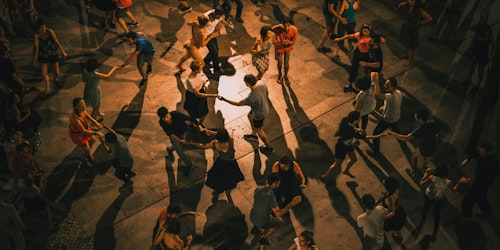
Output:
(224, 175)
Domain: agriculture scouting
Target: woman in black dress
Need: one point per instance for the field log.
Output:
(225, 173)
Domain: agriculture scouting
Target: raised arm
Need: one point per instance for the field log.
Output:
(378, 91)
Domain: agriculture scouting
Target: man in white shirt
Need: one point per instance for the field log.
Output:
(372, 222)
(213, 27)
(391, 110)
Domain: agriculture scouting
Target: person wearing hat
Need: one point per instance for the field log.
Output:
(144, 51)
(92, 91)
(361, 53)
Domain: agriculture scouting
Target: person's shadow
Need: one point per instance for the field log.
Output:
(225, 227)
(104, 237)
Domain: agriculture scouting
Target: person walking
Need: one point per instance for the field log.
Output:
(331, 17)
(486, 171)
(264, 204)
(80, 132)
(428, 134)
(260, 50)
(259, 109)
(225, 173)
(435, 195)
(391, 110)
(123, 161)
(196, 95)
(46, 44)
(414, 16)
(285, 37)
(92, 91)
(215, 16)
(144, 52)
(345, 144)
(289, 189)
(372, 223)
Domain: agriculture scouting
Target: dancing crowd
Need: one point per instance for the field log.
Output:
(282, 189)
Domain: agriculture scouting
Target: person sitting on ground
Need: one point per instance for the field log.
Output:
(288, 171)
(304, 241)
(168, 238)
(264, 204)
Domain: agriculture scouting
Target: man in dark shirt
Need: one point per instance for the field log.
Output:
(376, 56)
(8, 73)
(486, 171)
(144, 51)
(427, 133)
(174, 125)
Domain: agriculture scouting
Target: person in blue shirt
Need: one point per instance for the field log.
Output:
(144, 51)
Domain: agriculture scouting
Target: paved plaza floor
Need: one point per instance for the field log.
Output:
(90, 212)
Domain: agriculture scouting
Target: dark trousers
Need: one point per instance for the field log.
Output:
(227, 6)
(356, 58)
(213, 54)
(364, 122)
(478, 194)
(438, 204)
(379, 129)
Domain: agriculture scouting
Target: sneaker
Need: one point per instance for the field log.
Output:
(239, 19)
(136, 24)
(185, 9)
(266, 150)
(132, 173)
(324, 49)
(180, 68)
(250, 137)
(264, 241)
(372, 153)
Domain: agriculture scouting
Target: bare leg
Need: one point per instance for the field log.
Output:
(131, 17)
(352, 160)
(123, 25)
(45, 76)
(337, 163)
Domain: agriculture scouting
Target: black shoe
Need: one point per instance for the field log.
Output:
(239, 19)
(264, 241)
(143, 81)
(324, 49)
(373, 153)
(266, 150)
(250, 137)
(132, 173)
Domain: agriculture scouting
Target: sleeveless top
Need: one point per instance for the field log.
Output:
(350, 12)
(287, 176)
(73, 129)
(47, 47)
(229, 154)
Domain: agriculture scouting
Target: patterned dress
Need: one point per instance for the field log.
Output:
(47, 50)
(261, 59)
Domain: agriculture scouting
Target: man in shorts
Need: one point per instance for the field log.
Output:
(331, 17)
(144, 51)
(265, 203)
(122, 11)
(257, 100)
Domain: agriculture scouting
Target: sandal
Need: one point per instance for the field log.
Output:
(285, 79)
(280, 80)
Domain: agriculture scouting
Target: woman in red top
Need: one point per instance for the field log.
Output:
(79, 131)
(361, 53)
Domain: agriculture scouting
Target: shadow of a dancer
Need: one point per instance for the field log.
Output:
(225, 227)
(104, 237)
(169, 27)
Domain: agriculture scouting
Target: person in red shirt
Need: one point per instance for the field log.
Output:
(122, 11)
(285, 37)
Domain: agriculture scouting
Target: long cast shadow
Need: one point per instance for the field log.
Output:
(104, 237)
(225, 227)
